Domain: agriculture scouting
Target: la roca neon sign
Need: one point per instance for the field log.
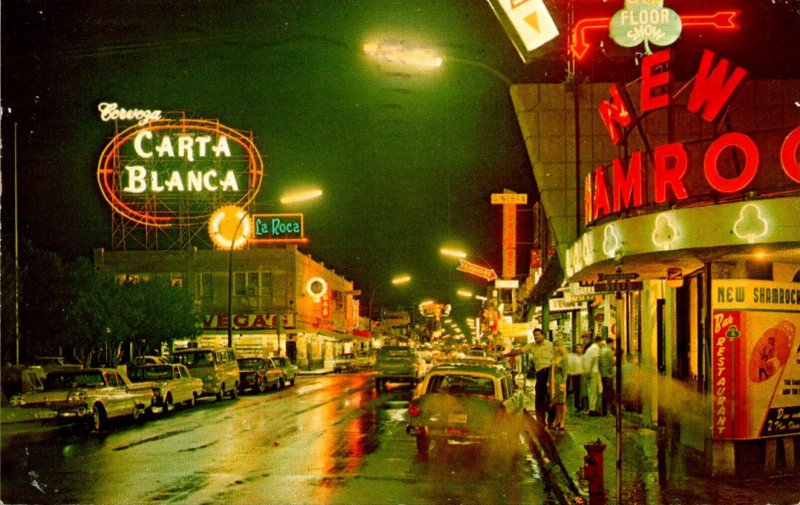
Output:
(622, 188)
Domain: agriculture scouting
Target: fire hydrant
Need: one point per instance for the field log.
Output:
(592, 472)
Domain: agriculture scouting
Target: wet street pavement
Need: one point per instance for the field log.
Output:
(327, 440)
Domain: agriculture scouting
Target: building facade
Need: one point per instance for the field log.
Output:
(281, 300)
(675, 208)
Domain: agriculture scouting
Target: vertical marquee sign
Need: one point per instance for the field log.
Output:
(172, 172)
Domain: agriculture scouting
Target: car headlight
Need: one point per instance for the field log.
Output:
(209, 378)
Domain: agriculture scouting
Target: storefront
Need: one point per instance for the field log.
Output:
(681, 214)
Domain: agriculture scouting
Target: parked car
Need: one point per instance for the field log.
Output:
(258, 374)
(288, 368)
(96, 394)
(466, 403)
(149, 360)
(346, 362)
(365, 359)
(398, 364)
(174, 385)
(217, 368)
(50, 363)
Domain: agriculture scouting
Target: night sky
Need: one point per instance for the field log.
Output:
(407, 159)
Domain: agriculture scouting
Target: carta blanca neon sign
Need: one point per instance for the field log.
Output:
(278, 229)
(169, 171)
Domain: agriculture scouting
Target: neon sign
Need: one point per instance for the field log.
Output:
(113, 112)
(645, 22)
(750, 226)
(229, 227)
(278, 229)
(579, 46)
(626, 187)
(169, 172)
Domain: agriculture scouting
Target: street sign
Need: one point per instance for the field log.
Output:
(509, 198)
(621, 276)
(613, 286)
(674, 277)
(477, 270)
(506, 284)
(527, 23)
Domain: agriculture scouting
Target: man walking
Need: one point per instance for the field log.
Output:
(541, 352)
(606, 365)
(591, 367)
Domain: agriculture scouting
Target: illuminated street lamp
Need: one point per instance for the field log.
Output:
(408, 55)
(397, 281)
(300, 196)
(464, 293)
(453, 253)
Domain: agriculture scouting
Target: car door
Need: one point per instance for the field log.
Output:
(114, 396)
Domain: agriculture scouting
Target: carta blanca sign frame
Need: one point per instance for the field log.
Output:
(171, 172)
(278, 229)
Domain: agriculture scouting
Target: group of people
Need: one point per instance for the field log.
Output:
(589, 371)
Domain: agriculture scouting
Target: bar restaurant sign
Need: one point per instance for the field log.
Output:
(167, 172)
(756, 358)
(702, 172)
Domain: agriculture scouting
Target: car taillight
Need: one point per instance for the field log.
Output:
(413, 409)
(501, 410)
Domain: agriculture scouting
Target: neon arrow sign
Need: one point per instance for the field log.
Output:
(722, 20)
(477, 270)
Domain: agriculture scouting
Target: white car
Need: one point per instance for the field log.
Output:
(174, 385)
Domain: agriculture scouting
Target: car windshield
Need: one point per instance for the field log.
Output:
(158, 372)
(400, 353)
(249, 363)
(465, 385)
(195, 359)
(55, 381)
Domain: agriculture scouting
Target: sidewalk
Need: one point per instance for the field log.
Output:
(654, 471)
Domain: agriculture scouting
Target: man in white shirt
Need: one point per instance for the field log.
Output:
(541, 352)
(591, 359)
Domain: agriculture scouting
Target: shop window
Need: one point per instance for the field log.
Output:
(266, 285)
(176, 280)
(205, 286)
(252, 284)
(240, 283)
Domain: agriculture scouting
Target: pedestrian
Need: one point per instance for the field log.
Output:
(558, 385)
(606, 364)
(591, 368)
(575, 375)
(541, 352)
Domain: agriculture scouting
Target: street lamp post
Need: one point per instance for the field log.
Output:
(230, 278)
(301, 196)
(403, 279)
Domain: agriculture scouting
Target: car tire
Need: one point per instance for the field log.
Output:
(192, 402)
(221, 393)
(423, 444)
(138, 414)
(168, 404)
(261, 386)
(378, 385)
(281, 383)
(233, 392)
(99, 420)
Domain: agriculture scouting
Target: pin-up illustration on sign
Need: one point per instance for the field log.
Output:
(645, 21)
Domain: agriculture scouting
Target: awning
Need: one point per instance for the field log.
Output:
(551, 279)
